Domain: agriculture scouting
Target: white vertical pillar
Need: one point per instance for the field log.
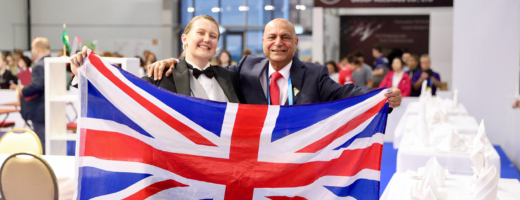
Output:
(486, 58)
(317, 34)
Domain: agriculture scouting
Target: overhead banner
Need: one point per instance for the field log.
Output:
(381, 3)
(396, 33)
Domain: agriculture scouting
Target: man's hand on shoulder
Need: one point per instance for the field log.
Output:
(156, 69)
(394, 97)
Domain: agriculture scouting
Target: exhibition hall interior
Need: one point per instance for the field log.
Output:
(260, 99)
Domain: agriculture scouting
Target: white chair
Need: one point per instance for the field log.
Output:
(26, 176)
(20, 140)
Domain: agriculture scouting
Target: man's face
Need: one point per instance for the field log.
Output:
(279, 41)
(425, 63)
(34, 50)
(375, 53)
(412, 63)
(361, 59)
(405, 57)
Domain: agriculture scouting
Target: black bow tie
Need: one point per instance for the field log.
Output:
(209, 72)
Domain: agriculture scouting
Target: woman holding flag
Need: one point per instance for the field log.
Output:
(194, 76)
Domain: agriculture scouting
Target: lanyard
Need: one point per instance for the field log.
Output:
(289, 89)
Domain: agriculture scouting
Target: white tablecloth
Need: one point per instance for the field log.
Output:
(456, 187)
(459, 120)
(63, 167)
(456, 162)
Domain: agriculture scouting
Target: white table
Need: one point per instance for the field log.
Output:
(456, 162)
(456, 187)
(64, 169)
(462, 122)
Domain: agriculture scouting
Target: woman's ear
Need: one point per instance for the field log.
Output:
(183, 39)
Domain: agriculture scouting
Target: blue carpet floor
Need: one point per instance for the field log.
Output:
(388, 163)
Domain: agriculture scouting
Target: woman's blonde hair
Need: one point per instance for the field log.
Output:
(188, 27)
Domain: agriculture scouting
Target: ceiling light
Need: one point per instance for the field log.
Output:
(191, 9)
(269, 7)
(215, 9)
(243, 8)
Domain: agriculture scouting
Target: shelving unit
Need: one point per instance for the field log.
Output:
(57, 97)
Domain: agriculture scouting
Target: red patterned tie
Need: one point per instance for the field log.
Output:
(274, 90)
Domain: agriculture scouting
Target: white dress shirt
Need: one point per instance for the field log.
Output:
(282, 82)
(396, 79)
(205, 82)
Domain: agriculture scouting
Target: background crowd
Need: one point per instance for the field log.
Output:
(405, 70)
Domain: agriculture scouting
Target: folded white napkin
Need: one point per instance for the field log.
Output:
(455, 101)
(486, 187)
(437, 115)
(434, 170)
(421, 131)
(423, 190)
(479, 149)
(432, 176)
(451, 142)
(426, 95)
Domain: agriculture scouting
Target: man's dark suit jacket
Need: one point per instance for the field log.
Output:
(34, 109)
(312, 80)
(179, 81)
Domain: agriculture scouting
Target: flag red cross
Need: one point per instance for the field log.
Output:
(241, 173)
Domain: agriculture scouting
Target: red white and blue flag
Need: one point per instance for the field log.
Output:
(138, 141)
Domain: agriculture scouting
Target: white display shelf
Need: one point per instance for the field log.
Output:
(57, 97)
(65, 98)
(66, 137)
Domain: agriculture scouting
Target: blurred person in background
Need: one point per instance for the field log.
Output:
(17, 55)
(34, 93)
(11, 65)
(362, 75)
(413, 64)
(149, 59)
(24, 63)
(247, 52)
(333, 70)
(342, 63)
(381, 65)
(224, 59)
(405, 57)
(398, 78)
(345, 74)
(7, 79)
(426, 73)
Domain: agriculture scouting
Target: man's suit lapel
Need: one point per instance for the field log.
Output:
(181, 78)
(257, 70)
(297, 74)
(223, 80)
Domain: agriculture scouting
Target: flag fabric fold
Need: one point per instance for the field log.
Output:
(137, 141)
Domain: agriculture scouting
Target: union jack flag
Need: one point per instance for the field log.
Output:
(138, 141)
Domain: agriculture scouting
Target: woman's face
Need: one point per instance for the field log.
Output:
(397, 65)
(21, 64)
(331, 68)
(224, 58)
(10, 60)
(201, 41)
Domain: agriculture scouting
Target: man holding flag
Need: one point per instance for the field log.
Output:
(137, 142)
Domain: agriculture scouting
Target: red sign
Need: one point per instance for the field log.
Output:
(381, 3)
